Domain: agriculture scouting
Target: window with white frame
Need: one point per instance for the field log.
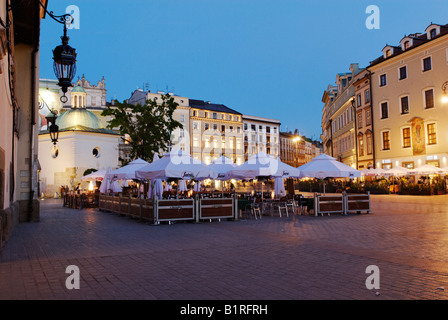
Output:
(195, 141)
(367, 96)
(369, 142)
(404, 105)
(384, 110)
(368, 117)
(429, 98)
(432, 134)
(403, 73)
(360, 144)
(406, 137)
(383, 80)
(427, 64)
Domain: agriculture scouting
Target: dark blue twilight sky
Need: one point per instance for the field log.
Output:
(267, 58)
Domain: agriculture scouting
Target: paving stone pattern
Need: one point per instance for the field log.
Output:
(288, 258)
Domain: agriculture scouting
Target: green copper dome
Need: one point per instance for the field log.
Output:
(78, 89)
(78, 117)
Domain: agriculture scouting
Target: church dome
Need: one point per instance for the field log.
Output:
(78, 89)
(78, 118)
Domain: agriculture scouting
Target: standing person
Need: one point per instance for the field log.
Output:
(78, 188)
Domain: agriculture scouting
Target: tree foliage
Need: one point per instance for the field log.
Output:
(149, 126)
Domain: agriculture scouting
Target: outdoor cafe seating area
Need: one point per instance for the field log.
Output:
(178, 188)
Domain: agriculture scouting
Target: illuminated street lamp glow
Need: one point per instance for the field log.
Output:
(444, 94)
(445, 97)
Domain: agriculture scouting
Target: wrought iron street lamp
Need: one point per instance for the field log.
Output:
(64, 64)
(53, 128)
(64, 56)
(51, 117)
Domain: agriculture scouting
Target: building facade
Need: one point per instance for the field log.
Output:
(84, 143)
(410, 120)
(363, 121)
(261, 135)
(215, 130)
(180, 138)
(19, 74)
(327, 134)
(292, 149)
(338, 121)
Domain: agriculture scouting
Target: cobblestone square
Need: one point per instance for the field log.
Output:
(288, 258)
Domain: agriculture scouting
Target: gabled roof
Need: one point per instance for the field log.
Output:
(205, 105)
(419, 39)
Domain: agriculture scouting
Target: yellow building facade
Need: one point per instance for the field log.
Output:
(410, 121)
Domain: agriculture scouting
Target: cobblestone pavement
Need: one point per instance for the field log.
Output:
(289, 258)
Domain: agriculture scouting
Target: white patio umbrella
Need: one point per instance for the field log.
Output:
(157, 189)
(94, 176)
(221, 167)
(396, 172)
(108, 184)
(263, 165)
(197, 186)
(182, 186)
(127, 172)
(427, 169)
(279, 186)
(174, 164)
(324, 166)
(372, 172)
(168, 186)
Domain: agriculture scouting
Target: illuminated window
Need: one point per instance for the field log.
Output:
(386, 140)
(406, 137)
(195, 142)
(368, 118)
(361, 145)
(432, 138)
(408, 165)
(369, 142)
